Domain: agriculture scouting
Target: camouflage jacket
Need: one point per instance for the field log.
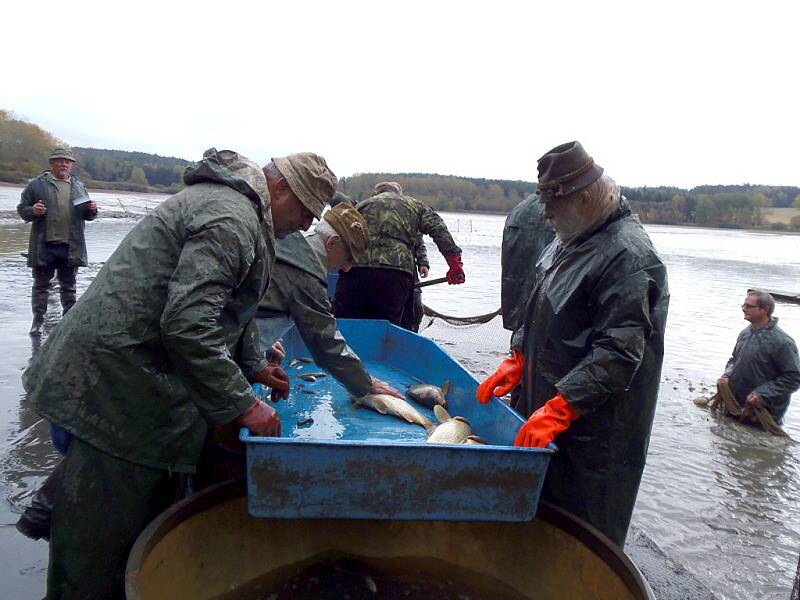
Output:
(394, 221)
(142, 364)
(299, 289)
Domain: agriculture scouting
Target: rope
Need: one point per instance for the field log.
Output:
(724, 401)
(476, 320)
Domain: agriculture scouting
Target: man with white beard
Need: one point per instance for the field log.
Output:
(592, 343)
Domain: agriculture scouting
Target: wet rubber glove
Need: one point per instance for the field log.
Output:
(276, 378)
(546, 423)
(261, 419)
(502, 381)
(456, 273)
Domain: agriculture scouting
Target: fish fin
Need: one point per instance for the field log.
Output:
(380, 406)
(475, 439)
(428, 425)
(445, 388)
(441, 413)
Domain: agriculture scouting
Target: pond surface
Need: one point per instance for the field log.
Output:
(717, 497)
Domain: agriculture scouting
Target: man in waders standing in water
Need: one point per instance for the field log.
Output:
(764, 370)
(57, 205)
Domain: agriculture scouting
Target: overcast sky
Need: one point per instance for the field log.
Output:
(660, 93)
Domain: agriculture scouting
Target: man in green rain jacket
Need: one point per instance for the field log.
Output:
(593, 343)
(298, 292)
(144, 363)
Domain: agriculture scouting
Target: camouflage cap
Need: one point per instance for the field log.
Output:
(387, 186)
(350, 225)
(310, 178)
(62, 152)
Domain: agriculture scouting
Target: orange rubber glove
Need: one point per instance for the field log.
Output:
(546, 423)
(502, 381)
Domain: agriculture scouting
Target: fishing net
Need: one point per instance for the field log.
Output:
(478, 342)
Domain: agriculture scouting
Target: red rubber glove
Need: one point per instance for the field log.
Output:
(546, 423)
(502, 381)
(456, 273)
(276, 378)
(261, 419)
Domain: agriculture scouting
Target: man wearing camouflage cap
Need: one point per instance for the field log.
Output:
(298, 292)
(57, 205)
(161, 347)
(381, 282)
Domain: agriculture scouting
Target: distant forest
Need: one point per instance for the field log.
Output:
(25, 147)
(711, 206)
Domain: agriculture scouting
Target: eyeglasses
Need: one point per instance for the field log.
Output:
(746, 305)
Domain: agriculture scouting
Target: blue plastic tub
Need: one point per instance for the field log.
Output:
(337, 461)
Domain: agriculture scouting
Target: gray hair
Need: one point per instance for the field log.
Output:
(765, 300)
(606, 193)
(271, 170)
(325, 230)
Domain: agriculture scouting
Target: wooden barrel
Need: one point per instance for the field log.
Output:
(207, 546)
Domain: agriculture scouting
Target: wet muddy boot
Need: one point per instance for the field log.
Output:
(36, 325)
(35, 520)
(68, 294)
(41, 289)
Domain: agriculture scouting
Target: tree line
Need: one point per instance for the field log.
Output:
(445, 192)
(25, 148)
(715, 206)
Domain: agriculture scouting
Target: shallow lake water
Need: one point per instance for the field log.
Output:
(718, 497)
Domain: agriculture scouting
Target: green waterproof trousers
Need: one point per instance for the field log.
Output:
(102, 506)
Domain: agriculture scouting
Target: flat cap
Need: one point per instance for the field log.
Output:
(350, 225)
(62, 152)
(310, 178)
(387, 186)
(566, 169)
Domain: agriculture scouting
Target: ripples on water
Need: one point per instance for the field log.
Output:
(718, 497)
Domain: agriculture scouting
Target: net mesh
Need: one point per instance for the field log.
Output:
(479, 343)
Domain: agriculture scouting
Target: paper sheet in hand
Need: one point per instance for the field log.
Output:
(81, 200)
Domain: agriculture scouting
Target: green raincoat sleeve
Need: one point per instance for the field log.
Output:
(248, 355)
(310, 309)
(621, 324)
(213, 262)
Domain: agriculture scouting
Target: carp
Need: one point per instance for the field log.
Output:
(452, 430)
(387, 404)
(429, 395)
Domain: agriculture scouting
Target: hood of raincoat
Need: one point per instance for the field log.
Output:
(233, 170)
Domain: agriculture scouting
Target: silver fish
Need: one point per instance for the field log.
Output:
(429, 395)
(451, 430)
(387, 404)
(311, 376)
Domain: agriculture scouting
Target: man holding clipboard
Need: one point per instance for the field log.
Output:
(57, 204)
